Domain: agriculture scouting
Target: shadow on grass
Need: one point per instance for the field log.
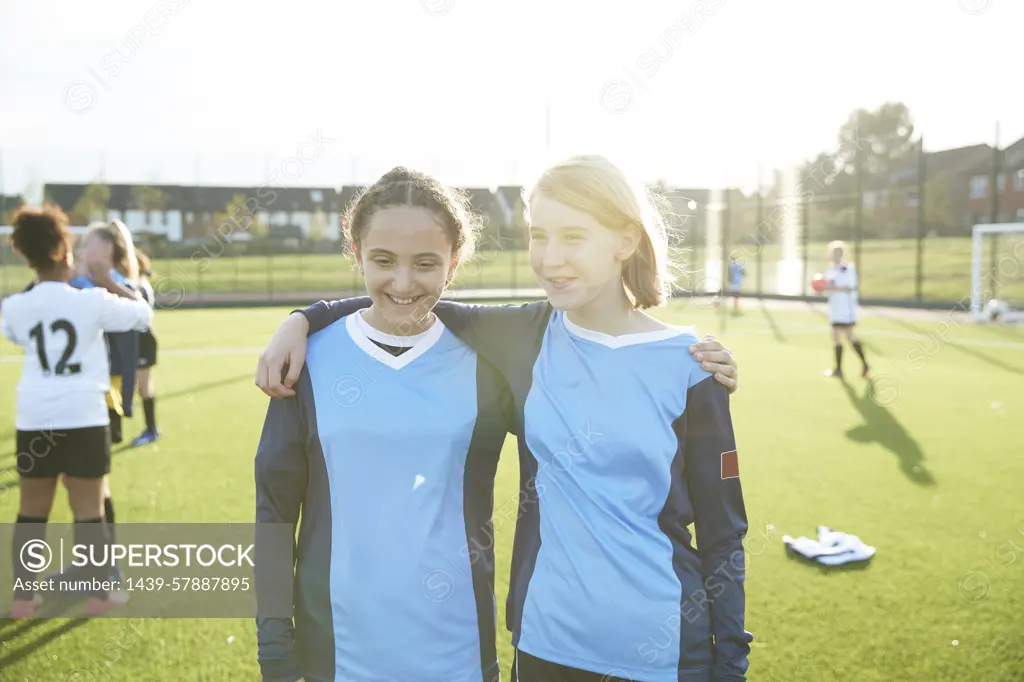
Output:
(191, 390)
(1010, 332)
(940, 340)
(9, 477)
(771, 323)
(11, 630)
(880, 426)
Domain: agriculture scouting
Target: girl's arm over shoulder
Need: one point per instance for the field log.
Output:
(720, 520)
(284, 356)
(499, 333)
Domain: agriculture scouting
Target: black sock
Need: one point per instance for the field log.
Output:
(92, 533)
(108, 516)
(150, 408)
(27, 529)
(839, 357)
(860, 351)
(115, 426)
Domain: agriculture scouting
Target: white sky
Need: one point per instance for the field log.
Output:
(239, 85)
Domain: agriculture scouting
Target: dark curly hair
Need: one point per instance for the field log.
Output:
(42, 236)
(405, 187)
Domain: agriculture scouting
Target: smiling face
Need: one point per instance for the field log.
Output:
(577, 259)
(406, 259)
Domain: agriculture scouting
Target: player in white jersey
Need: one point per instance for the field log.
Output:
(147, 358)
(841, 285)
(61, 415)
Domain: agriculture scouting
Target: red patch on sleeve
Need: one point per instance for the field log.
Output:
(730, 465)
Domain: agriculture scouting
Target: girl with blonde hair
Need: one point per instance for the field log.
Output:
(112, 241)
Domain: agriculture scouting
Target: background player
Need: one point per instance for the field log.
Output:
(736, 273)
(841, 285)
(112, 242)
(147, 357)
(61, 419)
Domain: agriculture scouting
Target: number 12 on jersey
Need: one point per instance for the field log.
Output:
(72, 339)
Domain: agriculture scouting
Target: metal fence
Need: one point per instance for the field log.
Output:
(908, 231)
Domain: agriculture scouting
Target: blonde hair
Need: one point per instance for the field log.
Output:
(836, 244)
(117, 234)
(594, 185)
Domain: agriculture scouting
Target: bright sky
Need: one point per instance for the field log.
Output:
(221, 92)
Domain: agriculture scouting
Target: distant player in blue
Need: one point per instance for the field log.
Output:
(113, 242)
(388, 450)
(624, 441)
(736, 273)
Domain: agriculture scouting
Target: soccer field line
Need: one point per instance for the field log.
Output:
(801, 329)
(948, 337)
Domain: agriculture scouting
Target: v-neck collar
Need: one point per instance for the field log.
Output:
(625, 339)
(431, 337)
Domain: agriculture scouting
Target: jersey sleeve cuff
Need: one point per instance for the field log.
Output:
(285, 669)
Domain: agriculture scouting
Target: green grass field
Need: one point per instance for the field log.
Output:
(927, 469)
(886, 269)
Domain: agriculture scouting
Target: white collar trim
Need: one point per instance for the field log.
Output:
(625, 339)
(359, 336)
(377, 335)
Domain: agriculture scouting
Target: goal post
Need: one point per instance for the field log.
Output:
(1007, 269)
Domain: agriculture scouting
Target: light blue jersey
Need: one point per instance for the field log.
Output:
(736, 273)
(391, 460)
(624, 443)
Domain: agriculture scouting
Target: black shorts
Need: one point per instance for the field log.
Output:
(844, 324)
(526, 668)
(147, 349)
(82, 453)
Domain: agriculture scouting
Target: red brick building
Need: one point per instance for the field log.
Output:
(1010, 185)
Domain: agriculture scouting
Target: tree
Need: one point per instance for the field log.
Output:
(149, 198)
(938, 209)
(318, 225)
(881, 137)
(92, 205)
(238, 218)
(8, 205)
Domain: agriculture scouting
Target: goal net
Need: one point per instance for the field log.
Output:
(997, 272)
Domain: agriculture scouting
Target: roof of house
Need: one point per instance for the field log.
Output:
(207, 198)
(939, 163)
(1013, 156)
(482, 200)
(10, 202)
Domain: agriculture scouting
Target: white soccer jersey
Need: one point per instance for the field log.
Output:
(842, 305)
(66, 371)
(146, 289)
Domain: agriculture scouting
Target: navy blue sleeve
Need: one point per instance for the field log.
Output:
(325, 313)
(507, 336)
(720, 520)
(124, 359)
(281, 478)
